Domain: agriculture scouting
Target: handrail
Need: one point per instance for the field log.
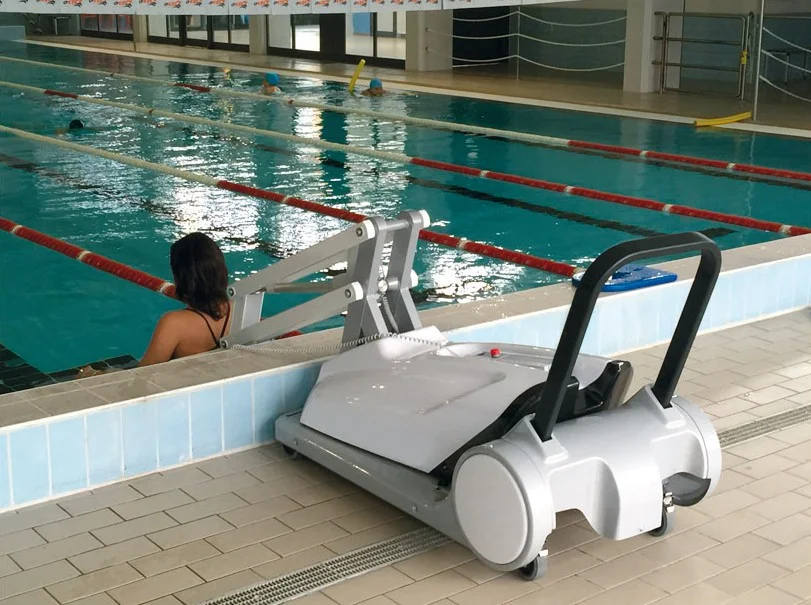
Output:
(585, 299)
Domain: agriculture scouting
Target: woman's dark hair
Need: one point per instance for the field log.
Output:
(201, 277)
(75, 125)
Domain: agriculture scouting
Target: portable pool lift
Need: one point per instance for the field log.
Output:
(486, 442)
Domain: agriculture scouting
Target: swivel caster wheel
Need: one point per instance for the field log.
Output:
(668, 518)
(290, 453)
(536, 569)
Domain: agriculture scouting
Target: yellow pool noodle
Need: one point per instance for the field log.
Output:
(356, 75)
(721, 121)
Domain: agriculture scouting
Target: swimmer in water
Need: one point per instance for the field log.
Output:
(74, 126)
(271, 83)
(375, 88)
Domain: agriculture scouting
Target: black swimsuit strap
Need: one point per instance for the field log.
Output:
(225, 323)
(208, 325)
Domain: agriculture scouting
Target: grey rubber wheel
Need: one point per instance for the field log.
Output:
(534, 570)
(290, 452)
(668, 522)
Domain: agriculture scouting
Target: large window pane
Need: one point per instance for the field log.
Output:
(220, 25)
(308, 34)
(196, 27)
(359, 34)
(280, 31)
(391, 35)
(107, 23)
(124, 24)
(157, 26)
(239, 29)
(174, 26)
(90, 23)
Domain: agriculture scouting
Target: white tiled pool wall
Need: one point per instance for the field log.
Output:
(56, 456)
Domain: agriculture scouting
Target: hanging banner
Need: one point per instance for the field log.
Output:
(235, 7)
(331, 6)
(37, 6)
(148, 7)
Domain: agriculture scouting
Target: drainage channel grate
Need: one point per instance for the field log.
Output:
(764, 426)
(343, 567)
(317, 577)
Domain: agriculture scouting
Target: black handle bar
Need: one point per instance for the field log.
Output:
(604, 266)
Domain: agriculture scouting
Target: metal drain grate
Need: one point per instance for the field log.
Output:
(317, 577)
(764, 426)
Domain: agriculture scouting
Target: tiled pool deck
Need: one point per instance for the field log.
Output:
(206, 529)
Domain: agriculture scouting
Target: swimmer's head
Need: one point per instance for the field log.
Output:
(75, 125)
(272, 78)
(375, 84)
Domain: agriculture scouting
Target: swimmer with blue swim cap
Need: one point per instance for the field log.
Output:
(375, 88)
(271, 83)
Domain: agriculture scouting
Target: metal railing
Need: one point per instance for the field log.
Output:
(743, 44)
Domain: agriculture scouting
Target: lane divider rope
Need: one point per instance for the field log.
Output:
(594, 194)
(442, 239)
(102, 263)
(525, 137)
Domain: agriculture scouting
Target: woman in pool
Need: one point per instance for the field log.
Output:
(375, 88)
(271, 84)
(201, 282)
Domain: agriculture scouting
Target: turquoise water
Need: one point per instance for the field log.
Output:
(57, 313)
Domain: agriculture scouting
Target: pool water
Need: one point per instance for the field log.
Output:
(57, 313)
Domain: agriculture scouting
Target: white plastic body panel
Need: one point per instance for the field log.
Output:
(417, 403)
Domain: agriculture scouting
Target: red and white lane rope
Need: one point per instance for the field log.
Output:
(442, 239)
(400, 158)
(102, 263)
(547, 141)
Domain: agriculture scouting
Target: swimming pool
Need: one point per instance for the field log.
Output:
(58, 313)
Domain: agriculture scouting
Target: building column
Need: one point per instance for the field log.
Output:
(641, 50)
(140, 29)
(419, 40)
(258, 34)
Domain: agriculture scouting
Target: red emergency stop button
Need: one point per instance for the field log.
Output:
(495, 352)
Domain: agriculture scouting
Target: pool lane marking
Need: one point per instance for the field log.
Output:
(442, 239)
(775, 176)
(574, 217)
(593, 194)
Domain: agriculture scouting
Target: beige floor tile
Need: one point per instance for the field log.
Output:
(164, 482)
(730, 480)
(190, 532)
(395, 528)
(721, 505)
(774, 485)
(795, 435)
(294, 562)
(213, 506)
(97, 500)
(797, 583)
(763, 467)
(297, 541)
(327, 511)
(323, 492)
(793, 557)
(365, 587)
(8, 566)
(98, 599)
(606, 550)
(434, 561)
(567, 564)
(31, 517)
(217, 588)
(787, 530)
(757, 448)
(367, 519)
(20, 540)
(564, 592)
(319, 598)
(170, 600)
(284, 486)
(739, 550)
(132, 529)
(800, 453)
(620, 570)
(801, 470)
(697, 593)
(733, 525)
(571, 536)
(678, 576)
(32, 579)
(767, 595)
(173, 558)
(747, 577)
(260, 511)
(478, 572)
(678, 546)
(431, 589)
(113, 554)
(54, 551)
(152, 504)
(274, 469)
(36, 597)
(77, 525)
(144, 591)
(781, 506)
(249, 534)
(94, 583)
(233, 463)
(635, 592)
(215, 487)
(499, 590)
(232, 562)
